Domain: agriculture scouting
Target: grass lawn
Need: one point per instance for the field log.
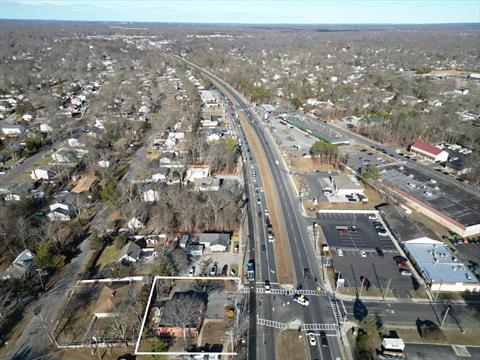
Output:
(21, 321)
(109, 255)
(290, 346)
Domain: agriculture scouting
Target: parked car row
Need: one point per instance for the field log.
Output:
(379, 228)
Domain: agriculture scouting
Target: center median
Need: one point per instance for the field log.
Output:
(283, 261)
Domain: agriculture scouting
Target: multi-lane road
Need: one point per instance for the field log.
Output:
(303, 255)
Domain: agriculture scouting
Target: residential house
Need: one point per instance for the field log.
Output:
(135, 224)
(151, 195)
(196, 172)
(215, 242)
(22, 263)
(166, 327)
(208, 98)
(130, 253)
(207, 184)
(13, 130)
(40, 174)
(59, 212)
(45, 128)
(85, 184)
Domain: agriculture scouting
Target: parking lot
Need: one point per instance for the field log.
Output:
(354, 234)
(359, 234)
(359, 157)
(291, 140)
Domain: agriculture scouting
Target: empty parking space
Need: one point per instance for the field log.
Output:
(353, 231)
(381, 272)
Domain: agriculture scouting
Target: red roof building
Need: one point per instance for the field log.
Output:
(432, 152)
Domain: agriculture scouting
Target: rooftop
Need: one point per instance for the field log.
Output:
(437, 262)
(427, 148)
(443, 196)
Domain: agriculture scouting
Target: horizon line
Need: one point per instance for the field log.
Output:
(233, 23)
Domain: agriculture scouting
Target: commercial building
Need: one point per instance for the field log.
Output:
(442, 201)
(429, 151)
(342, 185)
(440, 268)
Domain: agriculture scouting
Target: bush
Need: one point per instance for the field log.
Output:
(363, 349)
(296, 102)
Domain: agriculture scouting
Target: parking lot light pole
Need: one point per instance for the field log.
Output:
(386, 291)
(445, 316)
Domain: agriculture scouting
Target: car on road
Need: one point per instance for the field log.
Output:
(192, 271)
(363, 253)
(379, 251)
(213, 270)
(311, 339)
(301, 299)
(405, 272)
(339, 252)
(306, 273)
(264, 248)
(323, 339)
(268, 288)
(372, 217)
(258, 201)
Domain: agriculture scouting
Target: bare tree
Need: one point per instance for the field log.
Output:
(183, 311)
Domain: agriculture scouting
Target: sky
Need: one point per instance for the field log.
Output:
(248, 11)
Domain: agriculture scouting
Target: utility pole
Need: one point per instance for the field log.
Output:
(361, 289)
(40, 277)
(438, 291)
(445, 316)
(386, 291)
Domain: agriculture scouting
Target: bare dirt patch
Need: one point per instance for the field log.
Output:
(290, 346)
(300, 164)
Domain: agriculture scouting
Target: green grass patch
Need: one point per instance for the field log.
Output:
(109, 255)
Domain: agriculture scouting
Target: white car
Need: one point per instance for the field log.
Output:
(301, 299)
(311, 339)
(213, 271)
(268, 288)
(372, 217)
(363, 253)
(339, 252)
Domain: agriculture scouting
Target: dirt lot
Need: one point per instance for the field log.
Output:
(300, 164)
(213, 332)
(282, 250)
(290, 346)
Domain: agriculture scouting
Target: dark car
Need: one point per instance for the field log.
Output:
(400, 259)
(323, 339)
(306, 273)
(225, 270)
(264, 248)
(379, 251)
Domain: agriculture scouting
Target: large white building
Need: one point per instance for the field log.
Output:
(440, 268)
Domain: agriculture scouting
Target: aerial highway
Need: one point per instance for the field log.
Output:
(320, 309)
